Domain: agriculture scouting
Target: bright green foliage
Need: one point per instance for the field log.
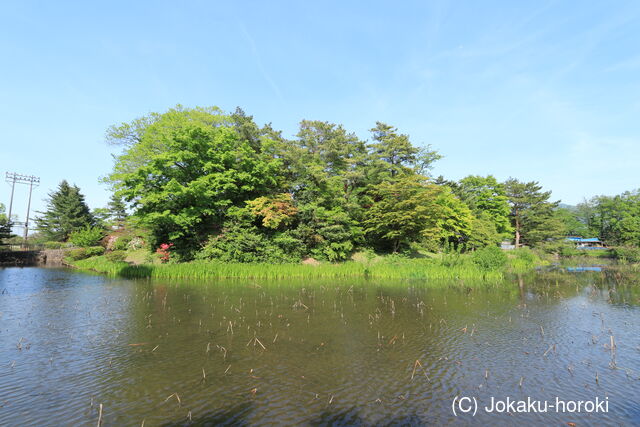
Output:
(121, 243)
(406, 210)
(88, 236)
(185, 169)
(523, 259)
(248, 245)
(326, 166)
(393, 154)
(628, 254)
(570, 219)
(616, 220)
(532, 214)
(455, 220)
(490, 258)
(240, 240)
(485, 195)
(115, 256)
(483, 232)
(66, 212)
(328, 233)
(217, 183)
(464, 274)
(199, 178)
(544, 227)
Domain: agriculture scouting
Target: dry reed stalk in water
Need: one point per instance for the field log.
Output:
(415, 366)
(177, 398)
(613, 344)
(100, 416)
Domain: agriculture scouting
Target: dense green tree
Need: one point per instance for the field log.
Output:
(483, 232)
(454, 220)
(614, 219)
(220, 184)
(185, 169)
(66, 212)
(532, 214)
(486, 195)
(570, 219)
(325, 174)
(405, 210)
(393, 154)
(325, 165)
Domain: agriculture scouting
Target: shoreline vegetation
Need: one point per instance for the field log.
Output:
(488, 266)
(203, 193)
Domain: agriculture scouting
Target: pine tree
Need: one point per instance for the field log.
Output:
(117, 210)
(532, 214)
(66, 212)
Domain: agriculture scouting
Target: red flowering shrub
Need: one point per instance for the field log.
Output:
(164, 252)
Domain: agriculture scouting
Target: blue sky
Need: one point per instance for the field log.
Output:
(546, 91)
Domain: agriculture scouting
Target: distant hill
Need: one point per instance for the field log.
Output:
(569, 207)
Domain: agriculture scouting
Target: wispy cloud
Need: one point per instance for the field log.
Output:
(256, 56)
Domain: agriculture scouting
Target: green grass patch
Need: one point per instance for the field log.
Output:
(431, 269)
(138, 256)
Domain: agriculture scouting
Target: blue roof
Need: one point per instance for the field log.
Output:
(581, 240)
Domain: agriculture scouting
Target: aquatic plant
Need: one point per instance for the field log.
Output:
(427, 269)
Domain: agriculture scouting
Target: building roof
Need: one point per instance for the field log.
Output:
(581, 240)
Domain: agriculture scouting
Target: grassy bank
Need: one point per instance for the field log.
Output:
(447, 267)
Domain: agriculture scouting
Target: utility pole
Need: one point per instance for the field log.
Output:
(12, 178)
(26, 222)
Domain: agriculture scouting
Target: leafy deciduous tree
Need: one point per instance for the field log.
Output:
(404, 210)
(185, 170)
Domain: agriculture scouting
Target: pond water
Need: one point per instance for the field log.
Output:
(172, 353)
